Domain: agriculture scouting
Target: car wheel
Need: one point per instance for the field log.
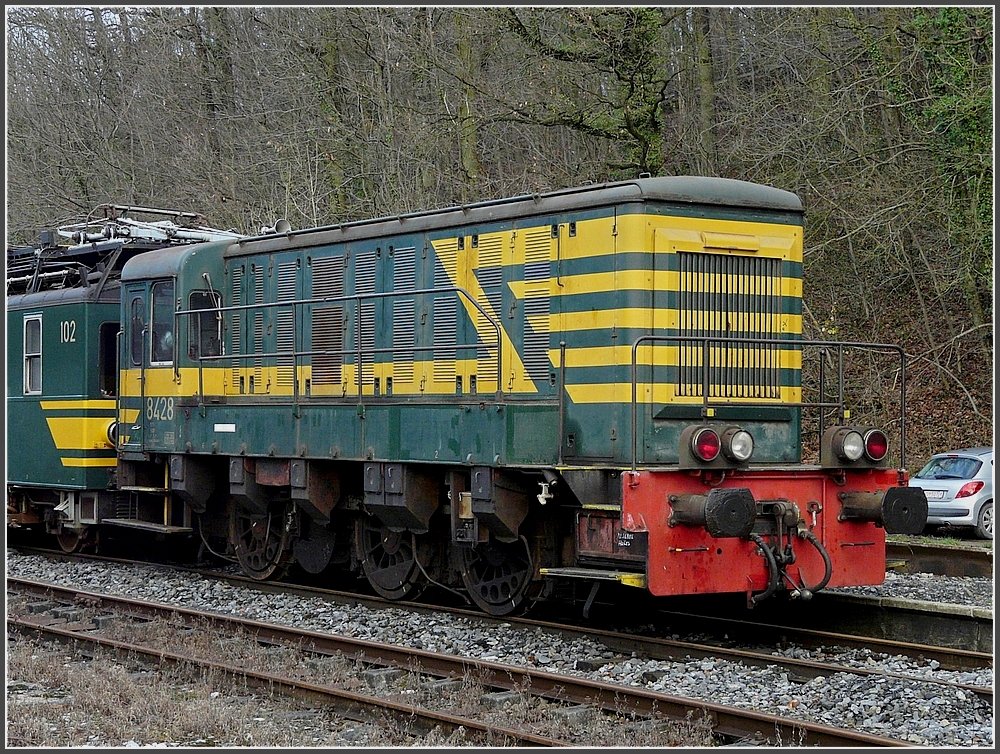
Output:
(984, 525)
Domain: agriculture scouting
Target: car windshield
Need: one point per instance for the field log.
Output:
(950, 467)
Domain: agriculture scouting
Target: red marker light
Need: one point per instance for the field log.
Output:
(876, 444)
(706, 444)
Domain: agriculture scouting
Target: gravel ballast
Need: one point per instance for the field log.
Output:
(920, 713)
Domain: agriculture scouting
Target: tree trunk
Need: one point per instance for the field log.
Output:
(467, 129)
(706, 89)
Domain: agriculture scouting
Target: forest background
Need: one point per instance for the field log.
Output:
(880, 119)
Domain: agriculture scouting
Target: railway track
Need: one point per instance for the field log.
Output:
(950, 656)
(653, 647)
(728, 723)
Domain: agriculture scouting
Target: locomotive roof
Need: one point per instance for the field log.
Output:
(695, 190)
(72, 295)
(163, 262)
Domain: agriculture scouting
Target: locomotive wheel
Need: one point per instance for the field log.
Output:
(387, 559)
(262, 542)
(76, 540)
(497, 575)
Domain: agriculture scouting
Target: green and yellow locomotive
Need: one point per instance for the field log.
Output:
(601, 383)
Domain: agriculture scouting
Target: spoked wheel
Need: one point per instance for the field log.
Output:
(262, 542)
(388, 560)
(77, 540)
(497, 575)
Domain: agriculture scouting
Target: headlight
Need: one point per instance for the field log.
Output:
(738, 444)
(852, 446)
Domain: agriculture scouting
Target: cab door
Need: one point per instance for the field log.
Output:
(147, 405)
(134, 361)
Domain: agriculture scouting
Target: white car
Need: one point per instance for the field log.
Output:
(959, 489)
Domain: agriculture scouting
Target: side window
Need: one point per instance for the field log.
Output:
(33, 354)
(162, 320)
(205, 334)
(137, 321)
(107, 357)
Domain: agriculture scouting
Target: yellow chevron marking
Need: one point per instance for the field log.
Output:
(77, 404)
(460, 266)
(79, 433)
(89, 463)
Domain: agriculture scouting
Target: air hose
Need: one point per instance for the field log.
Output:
(808, 591)
(773, 573)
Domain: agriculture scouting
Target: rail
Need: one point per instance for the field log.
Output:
(825, 346)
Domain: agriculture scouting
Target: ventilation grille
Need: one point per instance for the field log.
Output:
(724, 295)
(403, 314)
(285, 326)
(237, 329)
(364, 283)
(257, 378)
(327, 335)
(489, 273)
(445, 315)
(536, 305)
(327, 320)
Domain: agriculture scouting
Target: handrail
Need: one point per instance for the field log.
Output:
(707, 403)
(118, 395)
(358, 299)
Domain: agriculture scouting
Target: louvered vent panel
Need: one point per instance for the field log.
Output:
(364, 283)
(404, 270)
(536, 304)
(490, 272)
(237, 326)
(445, 315)
(327, 331)
(403, 340)
(327, 335)
(444, 339)
(287, 286)
(258, 331)
(732, 296)
(403, 314)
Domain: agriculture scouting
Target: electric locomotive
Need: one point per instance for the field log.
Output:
(63, 312)
(604, 383)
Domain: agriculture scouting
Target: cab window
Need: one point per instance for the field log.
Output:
(108, 358)
(137, 321)
(204, 337)
(161, 341)
(33, 354)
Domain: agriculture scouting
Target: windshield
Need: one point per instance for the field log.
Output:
(950, 467)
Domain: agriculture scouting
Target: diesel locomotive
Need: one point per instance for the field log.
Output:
(603, 383)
